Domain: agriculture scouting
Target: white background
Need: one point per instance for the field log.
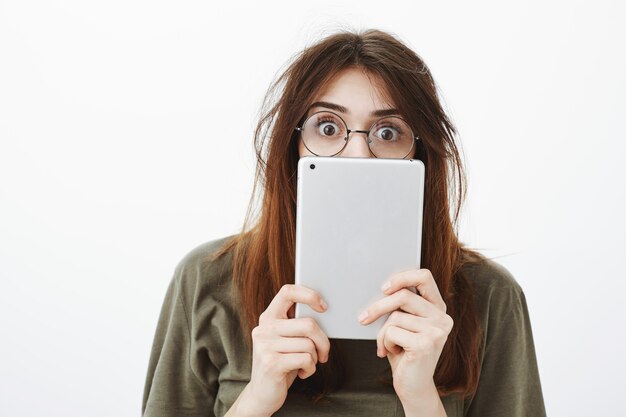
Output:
(126, 140)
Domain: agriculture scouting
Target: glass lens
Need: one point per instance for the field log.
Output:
(391, 137)
(324, 133)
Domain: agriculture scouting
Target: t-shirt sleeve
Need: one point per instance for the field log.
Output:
(509, 384)
(180, 381)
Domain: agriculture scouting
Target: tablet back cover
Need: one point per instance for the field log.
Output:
(359, 220)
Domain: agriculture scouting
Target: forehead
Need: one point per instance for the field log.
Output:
(356, 89)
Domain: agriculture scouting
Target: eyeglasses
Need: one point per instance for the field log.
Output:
(325, 133)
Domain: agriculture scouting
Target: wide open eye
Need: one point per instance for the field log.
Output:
(327, 128)
(388, 134)
(390, 130)
(324, 133)
(391, 137)
(326, 125)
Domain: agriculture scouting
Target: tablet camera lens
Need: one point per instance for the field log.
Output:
(312, 166)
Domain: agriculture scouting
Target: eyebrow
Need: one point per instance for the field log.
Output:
(342, 109)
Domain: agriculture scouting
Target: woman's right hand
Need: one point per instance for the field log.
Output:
(283, 348)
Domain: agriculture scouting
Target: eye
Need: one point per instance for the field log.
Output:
(328, 128)
(388, 133)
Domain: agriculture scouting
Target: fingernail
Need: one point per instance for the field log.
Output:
(363, 316)
(323, 304)
(386, 286)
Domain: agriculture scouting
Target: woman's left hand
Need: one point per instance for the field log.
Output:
(415, 332)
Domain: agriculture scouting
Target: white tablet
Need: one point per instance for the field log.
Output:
(359, 220)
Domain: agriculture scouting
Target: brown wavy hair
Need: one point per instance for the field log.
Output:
(264, 252)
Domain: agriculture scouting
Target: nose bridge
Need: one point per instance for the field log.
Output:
(357, 144)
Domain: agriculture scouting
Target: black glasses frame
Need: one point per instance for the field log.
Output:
(348, 131)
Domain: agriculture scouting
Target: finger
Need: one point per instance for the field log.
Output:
(287, 296)
(403, 320)
(407, 321)
(304, 327)
(422, 279)
(396, 339)
(303, 362)
(402, 299)
(295, 345)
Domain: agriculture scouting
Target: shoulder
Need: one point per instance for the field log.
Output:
(199, 269)
(202, 255)
(488, 276)
(500, 302)
(496, 291)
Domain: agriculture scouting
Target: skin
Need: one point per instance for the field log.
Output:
(360, 95)
(413, 335)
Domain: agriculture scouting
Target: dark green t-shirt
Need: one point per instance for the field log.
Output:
(199, 364)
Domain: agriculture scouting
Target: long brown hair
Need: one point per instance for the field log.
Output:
(264, 251)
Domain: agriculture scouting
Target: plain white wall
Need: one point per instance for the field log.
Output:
(126, 140)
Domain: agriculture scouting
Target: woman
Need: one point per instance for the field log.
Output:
(226, 341)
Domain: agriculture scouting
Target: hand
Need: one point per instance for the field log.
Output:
(283, 347)
(415, 332)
